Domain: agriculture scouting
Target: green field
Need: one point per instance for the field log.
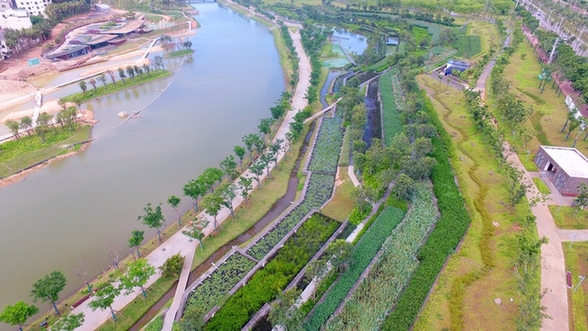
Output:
(575, 263)
(569, 217)
(468, 46)
(479, 272)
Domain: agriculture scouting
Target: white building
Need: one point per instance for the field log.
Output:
(5, 4)
(15, 19)
(34, 7)
(4, 51)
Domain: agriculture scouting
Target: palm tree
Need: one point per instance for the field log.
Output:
(93, 83)
(26, 123)
(111, 74)
(121, 74)
(102, 79)
(83, 86)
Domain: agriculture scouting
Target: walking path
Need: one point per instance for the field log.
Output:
(180, 243)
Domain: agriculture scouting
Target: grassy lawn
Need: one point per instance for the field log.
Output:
(569, 217)
(342, 203)
(180, 53)
(541, 186)
(550, 110)
(119, 86)
(28, 150)
(488, 36)
(482, 265)
(576, 258)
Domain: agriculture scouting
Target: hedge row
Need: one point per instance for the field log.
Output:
(267, 283)
(443, 240)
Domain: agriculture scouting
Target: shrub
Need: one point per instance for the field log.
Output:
(172, 267)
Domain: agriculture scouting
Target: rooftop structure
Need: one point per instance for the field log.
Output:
(33, 7)
(565, 167)
(101, 7)
(15, 19)
(456, 65)
(5, 4)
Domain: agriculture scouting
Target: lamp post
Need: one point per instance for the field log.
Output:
(581, 280)
(560, 24)
(550, 14)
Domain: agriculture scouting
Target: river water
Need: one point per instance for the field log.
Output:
(78, 208)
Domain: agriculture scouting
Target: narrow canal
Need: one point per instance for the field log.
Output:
(78, 208)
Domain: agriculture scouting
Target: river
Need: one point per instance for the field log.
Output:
(78, 208)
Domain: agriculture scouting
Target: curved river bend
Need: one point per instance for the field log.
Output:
(77, 208)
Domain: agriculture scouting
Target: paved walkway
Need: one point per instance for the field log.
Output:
(182, 283)
(180, 243)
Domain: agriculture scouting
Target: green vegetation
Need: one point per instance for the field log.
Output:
(342, 203)
(120, 85)
(268, 282)
(29, 150)
(180, 53)
(541, 186)
(468, 46)
(362, 254)
(392, 271)
(575, 256)
(569, 217)
(392, 123)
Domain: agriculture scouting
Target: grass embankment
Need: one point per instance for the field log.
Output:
(488, 34)
(260, 202)
(463, 297)
(29, 150)
(550, 110)
(577, 301)
(118, 86)
(541, 186)
(342, 204)
(180, 53)
(569, 217)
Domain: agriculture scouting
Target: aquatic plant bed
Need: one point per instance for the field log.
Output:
(392, 121)
(443, 240)
(327, 148)
(369, 304)
(268, 282)
(363, 253)
(319, 190)
(213, 289)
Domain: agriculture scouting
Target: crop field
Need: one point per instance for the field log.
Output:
(265, 285)
(550, 110)
(392, 123)
(379, 291)
(575, 257)
(434, 30)
(213, 289)
(363, 253)
(479, 272)
(325, 154)
(468, 46)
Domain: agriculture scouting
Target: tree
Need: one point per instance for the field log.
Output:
(515, 185)
(581, 201)
(257, 170)
(159, 62)
(404, 187)
(228, 165)
(102, 79)
(82, 271)
(228, 192)
(93, 83)
(196, 231)
(174, 201)
(146, 68)
(187, 44)
(570, 117)
(195, 188)
(282, 312)
(240, 152)
(153, 218)
(246, 185)
(137, 275)
(339, 252)
(212, 204)
(210, 177)
(172, 267)
(121, 74)
(44, 120)
(111, 74)
(114, 255)
(265, 127)
(104, 298)
(135, 242)
(69, 322)
(267, 159)
(47, 288)
(130, 72)
(78, 101)
(249, 141)
(137, 70)
(18, 314)
(13, 126)
(26, 124)
(83, 86)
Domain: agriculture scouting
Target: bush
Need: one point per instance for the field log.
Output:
(172, 267)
